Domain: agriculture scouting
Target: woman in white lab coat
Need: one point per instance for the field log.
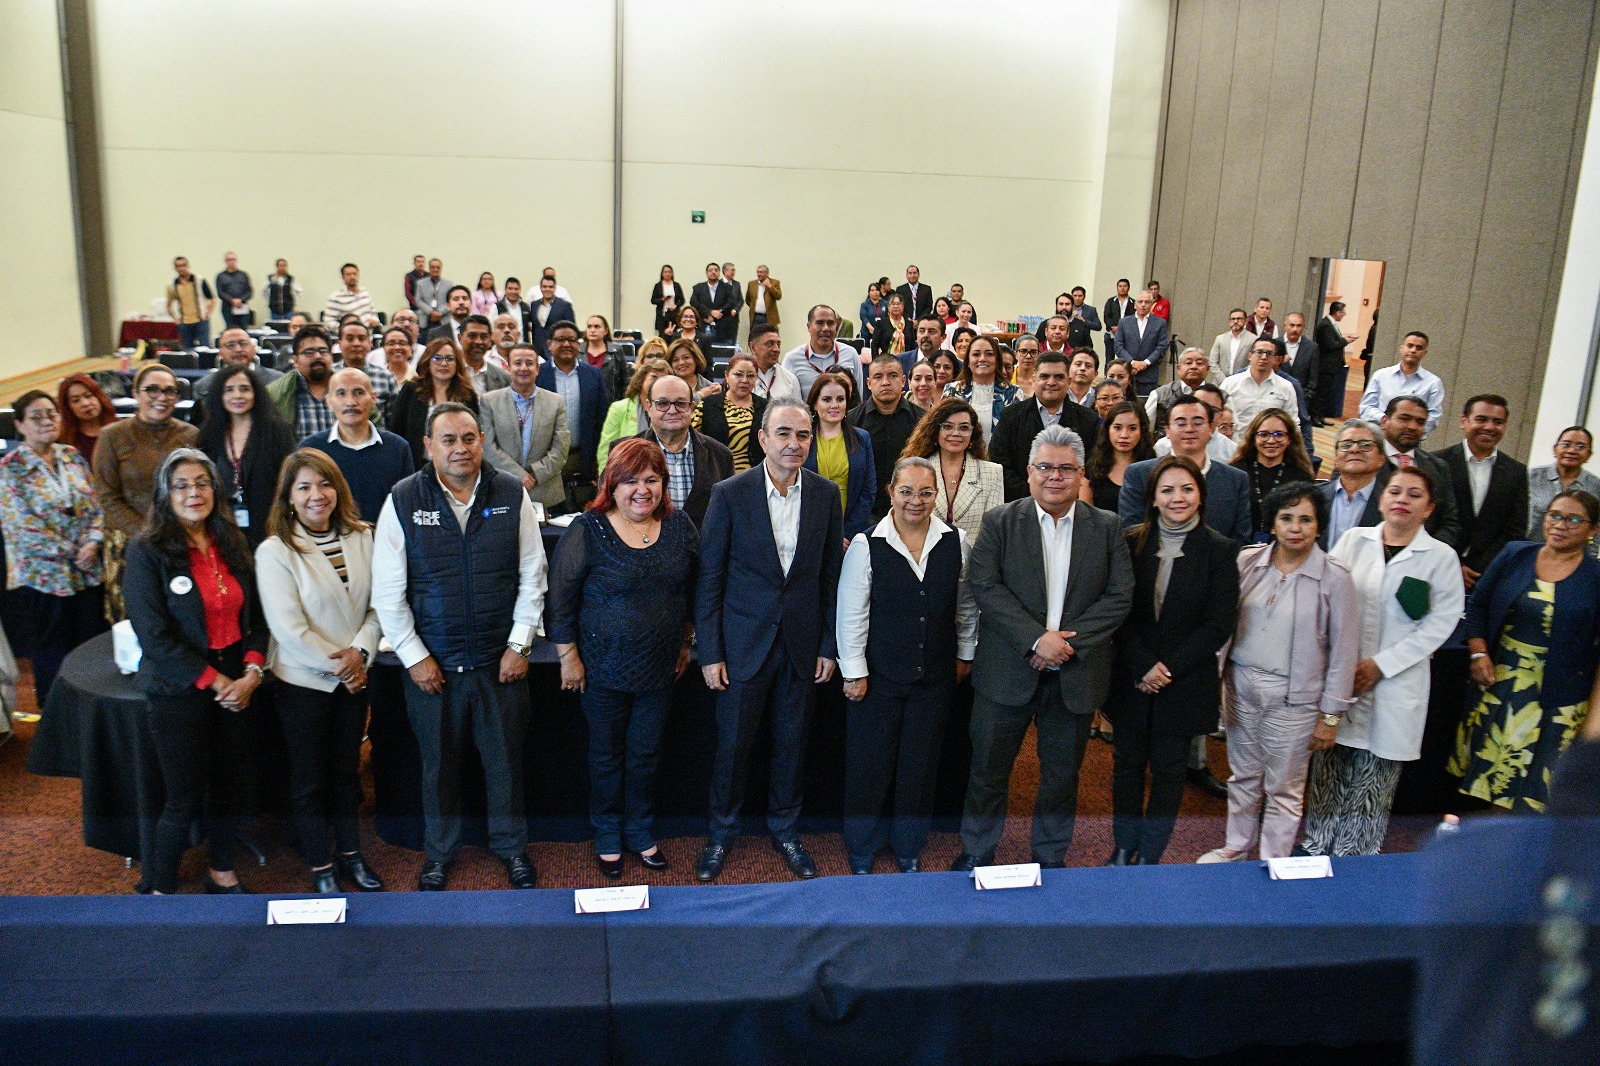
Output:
(1411, 597)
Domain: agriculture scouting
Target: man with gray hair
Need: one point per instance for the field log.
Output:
(1352, 493)
(1053, 580)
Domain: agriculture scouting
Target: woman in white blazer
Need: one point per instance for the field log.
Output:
(969, 485)
(1409, 589)
(314, 572)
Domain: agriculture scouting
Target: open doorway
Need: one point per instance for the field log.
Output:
(1357, 285)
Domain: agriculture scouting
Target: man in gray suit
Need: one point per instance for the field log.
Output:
(1053, 581)
(525, 430)
(1142, 339)
(430, 294)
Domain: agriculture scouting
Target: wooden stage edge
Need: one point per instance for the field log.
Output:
(48, 378)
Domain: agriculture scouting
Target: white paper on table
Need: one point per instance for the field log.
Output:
(1018, 875)
(562, 521)
(618, 898)
(1300, 867)
(306, 911)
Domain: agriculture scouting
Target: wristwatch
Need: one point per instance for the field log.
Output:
(1331, 721)
(520, 649)
(1477, 655)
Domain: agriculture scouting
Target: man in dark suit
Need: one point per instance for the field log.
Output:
(1352, 491)
(1084, 313)
(916, 297)
(770, 551)
(1404, 424)
(1142, 340)
(546, 313)
(1020, 422)
(512, 304)
(1491, 489)
(583, 390)
(889, 417)
(1118, 308)
(695, 462)
(716, 301)
(1331, 372)
(458, 304)
(1301, 358)
(1189, 422)
(1053, 581)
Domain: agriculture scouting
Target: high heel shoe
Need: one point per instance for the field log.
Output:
(656, 861)
(610, 869)
(324, 882)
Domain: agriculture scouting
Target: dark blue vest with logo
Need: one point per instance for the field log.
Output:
(462, 587)
(911, 633)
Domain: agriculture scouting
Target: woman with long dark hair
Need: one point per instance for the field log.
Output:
(841, 452)
(968, 485)
(191, 597)
(442, 377)
(85, 410)
(1273, 454)
(248, 440)
(1124, 439)
(667, 296)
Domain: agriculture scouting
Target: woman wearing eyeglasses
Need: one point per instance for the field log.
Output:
(907, 631)
(442, 376)
(1272, 454)
(731, 418)
(1573, 449)
(125, 463)
(1533, 631)
(969, 484)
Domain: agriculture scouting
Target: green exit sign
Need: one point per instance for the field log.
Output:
(697, 216)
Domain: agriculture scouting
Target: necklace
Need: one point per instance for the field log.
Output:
(642, 528)
(216, 571)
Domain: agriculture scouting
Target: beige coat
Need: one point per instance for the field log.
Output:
(313, 614)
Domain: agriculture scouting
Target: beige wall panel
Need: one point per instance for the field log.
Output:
(1498, 347)
(30, 59)
(1132, 128)
(1179, 136)
(1344, 56)
(1432, 297)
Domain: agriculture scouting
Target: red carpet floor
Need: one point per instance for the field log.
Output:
(42, 850)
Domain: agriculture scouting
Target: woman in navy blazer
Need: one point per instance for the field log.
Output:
(1533, 630)
(829, 402)
(191, 596)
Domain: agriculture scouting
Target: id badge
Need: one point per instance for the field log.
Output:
(241, 517)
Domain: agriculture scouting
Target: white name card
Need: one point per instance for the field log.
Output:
(1019, 875)
(1300, 867)
(620, 898)
(305, 911)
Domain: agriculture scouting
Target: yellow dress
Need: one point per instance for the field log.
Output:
(833, 463)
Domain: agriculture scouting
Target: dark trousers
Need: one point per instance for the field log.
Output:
(782, 690)
(997, 733)
(624, 748)
(892, 737)
(474, 703)
(1139, 825)
(202, 750)
(194, 335)
(44, 628)
(232, 320)
(756, 319)
(1331, 379)
(322, 732)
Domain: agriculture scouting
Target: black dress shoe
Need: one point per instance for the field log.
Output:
(1122, 857)
(911, 865)
(1207, 782)
(1048, 864)
(324, 882)
(360, 874)
(610, 869)
(859, 865)
(214, 889)
(794, 853)
(711, 861)
(519, 871)
(657, 861)
(966, 863)
(432, 877)
(1145, 860)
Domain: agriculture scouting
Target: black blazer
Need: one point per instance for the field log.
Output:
(714, 424)
(1019, 423)
(263, 458)
(1330, 342)
(1505, 506)
(504, 308)
(407, 415)
(924, 302)
(657, 298)
(1112, 315)
(1197, 619)
(713, 463)
(1445, 522)
(884, 333)
(171, 625)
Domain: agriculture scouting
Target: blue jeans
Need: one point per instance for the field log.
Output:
(624, 748)
(194, 335)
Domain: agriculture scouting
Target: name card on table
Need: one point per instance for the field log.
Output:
(1299, 867)
(305, 911)
(1018, 875)
(620, 898)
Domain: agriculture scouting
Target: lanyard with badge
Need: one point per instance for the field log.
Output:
(241, 513)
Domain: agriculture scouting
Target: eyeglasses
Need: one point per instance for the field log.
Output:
(441, 360)
(1573, 445)
(955, 427)
(319, 350)
(681, 406)
(1271, 434)
(169, 391)
(1569, 519)
(1051, 470)
(238, 344)
(1355, 446)
(925, 495)
(563, 339)
(182, 488)
(44, 418)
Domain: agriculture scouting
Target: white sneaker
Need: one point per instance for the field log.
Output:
(1221, 855)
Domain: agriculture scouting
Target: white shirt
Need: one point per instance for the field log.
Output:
(1220, 448)
(805, 364)
(1249, 398)
(1479, 471)
(855, 593)
(1057, 537)
(544, 312)
(514, 309)
(761, 299)
(779, 383)
(1391, 381)
(389, 576)
(373, 437)
(784, 512)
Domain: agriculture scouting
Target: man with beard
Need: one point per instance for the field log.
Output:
(302, 397)
(475, 346)
(355, 344)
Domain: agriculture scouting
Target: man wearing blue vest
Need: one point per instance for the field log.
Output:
(458, 581)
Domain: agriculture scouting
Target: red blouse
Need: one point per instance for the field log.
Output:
(223, 599)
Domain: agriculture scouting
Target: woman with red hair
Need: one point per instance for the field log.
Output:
(84, 407)
(618, 613)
